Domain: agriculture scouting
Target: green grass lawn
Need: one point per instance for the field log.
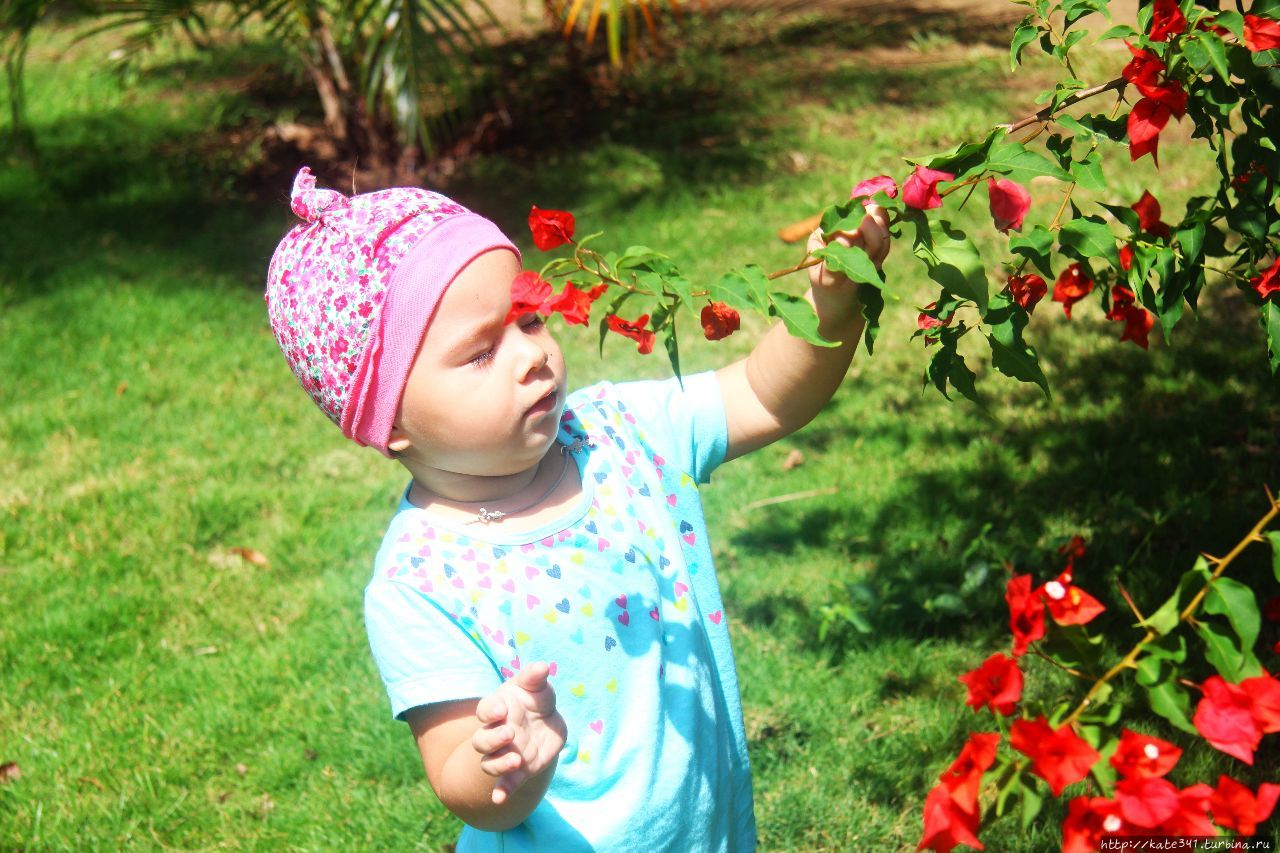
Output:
(157, 689)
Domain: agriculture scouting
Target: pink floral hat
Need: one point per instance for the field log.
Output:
(352, 290)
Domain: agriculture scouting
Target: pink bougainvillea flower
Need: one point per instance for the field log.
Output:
(1143, 757)
(1224, 717)
(1058, 756)
(1166, 20)
(1009, 203)
(573, 304)
(946, 824)
(1126, 257)
(1068, 604)
(635, 329)
(1261, 33)
(528, 294)
(1147, 802)
(964, 777)
(719, 321)
(921, 188)
(1237, 808)
(1268, 282)
(996, 684)
(1147, 118)
(1027, 290)
(1148, 210)
(550, 228)
(1026, 612)
(1088, 820)
(1072, 286)
(868, 188)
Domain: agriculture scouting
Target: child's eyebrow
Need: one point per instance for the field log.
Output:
(468, 339)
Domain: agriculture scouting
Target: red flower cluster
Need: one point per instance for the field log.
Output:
(550, 228)
(1138, 321)
(1261, 33)
(925, 322)
(1159, 102)
(531, 295)
(1072, 286)
(1009, 200)
(1026, 613)
(1237, 808)
(719, 321)
(997, 685)
(1067, 603)
(1148, 210)
(1269, 281)
(1166, 20)
(921, 188)
(1058, 756)
(634, 329)
(1027, 290)
(1234, 717)
(951, 809)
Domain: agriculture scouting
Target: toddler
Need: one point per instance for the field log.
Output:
(544, 610)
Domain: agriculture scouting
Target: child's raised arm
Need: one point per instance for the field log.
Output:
(785, 381)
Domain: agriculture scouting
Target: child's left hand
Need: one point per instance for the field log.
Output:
(872, 235)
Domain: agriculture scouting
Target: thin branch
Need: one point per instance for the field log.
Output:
(1071, 100)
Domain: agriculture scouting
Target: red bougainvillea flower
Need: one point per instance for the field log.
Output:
(1147, 803)
(1148, 210)
(1166, 20)
(1268, 282)
(1143, 757)
(926, 321)
(1147, 118)
(1237, 808)
(1126, 257)
(719, 321)
(1026, 612)
(1264, 697)
(1225, 718)
(1192, 816)
(997, 685)
(634, 329)
(1068, 604)
(550, 228)
(1058, 756)
(1027, 290)
(868, 188)
(573, 304)
(921, 188)
(1261, 33)
(528, 293)
(964, 777)
(1138, 323)
(1009, 203)
(1143, 71)
(1072, 286)
(1088, 820)
(946, 824)
(1121, 299)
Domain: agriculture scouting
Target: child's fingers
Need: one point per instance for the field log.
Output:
(491, 709)
(502, 762)
(508, 785)
(533, 677)
(492, 738)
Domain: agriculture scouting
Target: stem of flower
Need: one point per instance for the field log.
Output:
(1071, 100)
(1035, 649)
(1128, 661)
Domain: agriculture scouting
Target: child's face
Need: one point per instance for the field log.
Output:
(483, 398)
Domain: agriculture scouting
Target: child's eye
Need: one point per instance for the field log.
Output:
(483, 358)
(530, 322)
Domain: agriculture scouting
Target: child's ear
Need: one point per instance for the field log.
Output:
(398, 441)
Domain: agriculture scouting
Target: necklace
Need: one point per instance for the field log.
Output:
(485, 516)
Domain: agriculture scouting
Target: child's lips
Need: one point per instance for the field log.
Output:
(546, 403)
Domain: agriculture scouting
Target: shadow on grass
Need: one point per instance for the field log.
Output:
(1155, 457)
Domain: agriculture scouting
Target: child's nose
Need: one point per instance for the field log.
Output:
(533, 355)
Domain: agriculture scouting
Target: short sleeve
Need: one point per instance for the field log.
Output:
(685, 419)
(423, 656)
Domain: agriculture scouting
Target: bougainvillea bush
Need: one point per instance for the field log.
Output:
(1197, 660)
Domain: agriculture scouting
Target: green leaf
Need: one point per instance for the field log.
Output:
(1031, 803)
(1074, 10)
(845, 216)
(1217, 54)
(963, 158)
(947, 367)
(1036, 246)
(1170, 700)
(1025, 34)
(799, 317)
(1271, 325)
(853, 261)
(1274, 536)
(1088, 172)
(1021, 164)
(1071, 646)
(1010, 354)
(952, 259)
(673, 350)
(1232, 599)
(1119, 31)
(745, 290)
(1233, 21)
(1084, 238)
(1165, 619)
(872, 306)
(1224, 653)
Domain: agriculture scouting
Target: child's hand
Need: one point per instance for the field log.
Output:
(872, 234)
(522, 731)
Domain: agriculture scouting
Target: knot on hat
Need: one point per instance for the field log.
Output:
(309, 203)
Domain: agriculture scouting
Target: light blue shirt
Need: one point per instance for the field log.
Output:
(620, 597)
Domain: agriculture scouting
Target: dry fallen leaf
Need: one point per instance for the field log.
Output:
(121, 388)
(794, 460)
(9, 772)
(267, 805)
(252, 555)
(241, 769)
(89, 780)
